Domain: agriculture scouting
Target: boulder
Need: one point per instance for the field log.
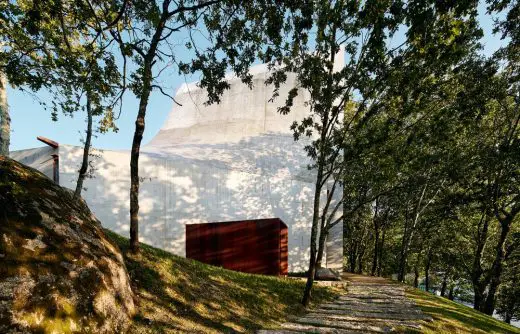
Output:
(59, 273)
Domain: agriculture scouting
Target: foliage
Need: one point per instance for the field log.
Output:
(378, 76)
(236, 34)
(444, 161)
(508, 301)
(54, 45)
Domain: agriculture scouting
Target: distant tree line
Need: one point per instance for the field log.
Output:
(433, 183)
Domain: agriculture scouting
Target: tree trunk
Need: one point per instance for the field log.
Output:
(86, 149)
(362, 247)
(416, 276)
(375, 255)
(321, 245)
(409, 230)
(319, 183)
(451, 295)
(144, 95)
(476, 273)
(376, 244)
(380, 256)
(444, 284)
(479, 296)
(427, 272)
(508, 318)
(360, 261)
(134, 157)
(314, 231)
(315, 220)
(402, 267)
(403, 254)
(353, 243)
(5, 119)
(496, 269)
(352, 262)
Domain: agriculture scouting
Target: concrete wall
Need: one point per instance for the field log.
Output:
(175, 193)
(39, 158)
(236, 160)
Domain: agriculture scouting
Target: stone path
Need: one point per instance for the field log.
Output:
(370, 305)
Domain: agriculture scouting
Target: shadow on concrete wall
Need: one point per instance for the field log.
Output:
(261, 177)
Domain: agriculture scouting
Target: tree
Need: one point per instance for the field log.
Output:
(508, 301)
(376, 75)
(488, 166)
(5, 120)
(235, 35)
(58, 46)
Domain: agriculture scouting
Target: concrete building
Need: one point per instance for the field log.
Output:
(233, 161)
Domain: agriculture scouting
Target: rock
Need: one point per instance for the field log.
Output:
(326, 274)
(58, 271)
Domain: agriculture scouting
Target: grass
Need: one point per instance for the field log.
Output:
(452, 317)
(176, 294)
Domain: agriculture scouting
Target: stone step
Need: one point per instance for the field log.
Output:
(361, 301)
(374, 296)
(352, 315)
(275, 331)
(363, 290)
(372, 308)
(292, 328)
(358, 288)
(367, 289)
(374, 288)
(348, 325)
(375, 300)
(375, 284)
(380, 322)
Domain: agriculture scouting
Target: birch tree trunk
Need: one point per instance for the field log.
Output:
(86, 149)
(5, 120)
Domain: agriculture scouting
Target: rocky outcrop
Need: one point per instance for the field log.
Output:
(59, 273)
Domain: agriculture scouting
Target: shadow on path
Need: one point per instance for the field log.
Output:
(370, 305)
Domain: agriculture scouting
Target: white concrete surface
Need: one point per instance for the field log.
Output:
(39, 158)
(232, 161)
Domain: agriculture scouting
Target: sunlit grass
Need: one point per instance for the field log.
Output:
(452, 317)
(177, 294)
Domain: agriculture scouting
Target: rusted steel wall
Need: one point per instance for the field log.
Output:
(251, 246)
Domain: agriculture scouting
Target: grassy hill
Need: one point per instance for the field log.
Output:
(452, 317)
(178, 294)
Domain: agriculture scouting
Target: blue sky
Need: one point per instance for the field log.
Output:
(29, 119)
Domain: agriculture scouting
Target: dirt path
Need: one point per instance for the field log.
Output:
(370, 305)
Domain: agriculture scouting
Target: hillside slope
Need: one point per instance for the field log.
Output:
(452, 317)
(176, 294)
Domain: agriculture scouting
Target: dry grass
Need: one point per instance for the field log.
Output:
(452, 317)
(180, 295)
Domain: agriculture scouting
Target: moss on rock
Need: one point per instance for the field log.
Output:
(59, 273)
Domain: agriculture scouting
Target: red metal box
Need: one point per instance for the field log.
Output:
(252, 246)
